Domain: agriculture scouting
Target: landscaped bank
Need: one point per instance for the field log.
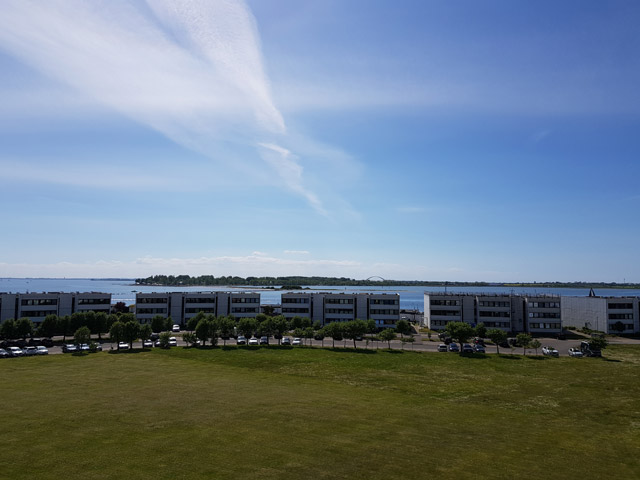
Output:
(319, 413)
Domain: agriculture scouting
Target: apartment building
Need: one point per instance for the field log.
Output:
(508, 312)
(343, 307)
(181, 306)
(605, 314)
(36, 306)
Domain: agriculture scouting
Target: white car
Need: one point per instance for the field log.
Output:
(574, 352)
(15, 351)
(552, 352)
(28, 351)
(285, 341)
(147, 344)
(173, 342)
(175, 328)
(42, 350)
(123, 346)
(241, 340)
(253, 341)
(297, 341)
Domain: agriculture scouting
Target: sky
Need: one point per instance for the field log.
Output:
(413, 140)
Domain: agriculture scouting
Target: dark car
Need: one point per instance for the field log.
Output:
(4, 353)
(479, 341)
(264, 340)
(453, 347)
(588, 350)
(69, 348)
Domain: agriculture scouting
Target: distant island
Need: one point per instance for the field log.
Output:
(298, 282)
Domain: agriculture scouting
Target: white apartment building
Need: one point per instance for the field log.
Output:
(36, 306)
(343, 307)
(181, 306)
(604, 314)
(508, 312)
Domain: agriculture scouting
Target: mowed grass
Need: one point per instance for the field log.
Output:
(312, 413)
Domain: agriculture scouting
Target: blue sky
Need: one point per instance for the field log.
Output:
(431, 140)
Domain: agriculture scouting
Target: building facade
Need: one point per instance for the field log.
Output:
(325, 308)
(36, 306)
(605, 314)
(181, 306)
(511, 313)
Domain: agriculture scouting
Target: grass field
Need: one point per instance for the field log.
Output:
(313, 413)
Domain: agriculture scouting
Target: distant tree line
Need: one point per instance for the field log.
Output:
(297, 281)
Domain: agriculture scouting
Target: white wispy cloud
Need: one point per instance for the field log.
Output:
(296, 252)
(190, 69)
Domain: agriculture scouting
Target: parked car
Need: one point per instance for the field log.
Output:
(69, 348)
(466, 348)
(453, 347)
(147, 344)
(42, 350)
(15, 351)
(4, 353)
(242, 340)
(84, 347)
(297, 341)
(574, 352)
(154, 337)
(173, 342)
(550, 351)
(479, 348)
(588, 351)
(442, 347)
(29, 351)
(479, 341)
(264, 340)
(123, 346)
(175, 328)
(285, 341)
(98, 346)
(253, 341)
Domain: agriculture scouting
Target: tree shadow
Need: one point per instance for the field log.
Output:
(362, 351)
(477, 356)
(537, 357)
(510, 356)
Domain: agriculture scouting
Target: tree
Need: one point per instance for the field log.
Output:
(193, 321)
(189, 338)
(168, 324)
(266, 327)
(535, 344)
(269, 310)
(460, 332)
(226, 326)
(497, 336)
(116, 333)
(371, 326)
(24, 327)
(164, 339)
(101, 324)
(144, 333)
(90, 321)
(354, 329)
(481, 330)
(82, 335)
(121, 307)
(598, 343)
(334, 330)
(8, 329)
(403, 327)
(214, 329)
(280, 326)
(524, 340)
(247, 326)
(78, 320)
(203, 330)
(386, 335)
(308, 333)
(131, 332)
(64, 326)
(49, 326)
(158, 322)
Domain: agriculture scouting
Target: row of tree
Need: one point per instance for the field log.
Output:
(98, 323)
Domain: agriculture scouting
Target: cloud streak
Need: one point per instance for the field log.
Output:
(192, 70)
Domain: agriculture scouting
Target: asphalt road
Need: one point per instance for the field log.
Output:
(420, 344)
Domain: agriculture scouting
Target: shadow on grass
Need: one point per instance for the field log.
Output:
(605, 359)
(509, 356)
(477, 356)
(537, 357)
(350, 350)
(133, 351)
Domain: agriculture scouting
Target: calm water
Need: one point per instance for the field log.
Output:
(410, 297)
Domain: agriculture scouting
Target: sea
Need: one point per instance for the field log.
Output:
(411, 297)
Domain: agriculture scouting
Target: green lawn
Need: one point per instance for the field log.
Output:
(313, 413)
